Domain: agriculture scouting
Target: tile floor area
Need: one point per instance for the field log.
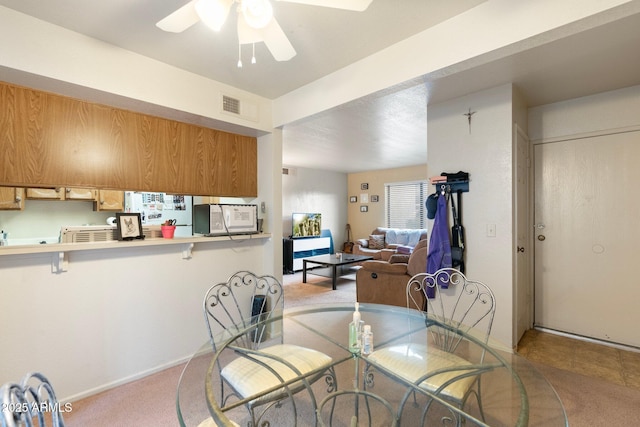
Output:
(608, 363)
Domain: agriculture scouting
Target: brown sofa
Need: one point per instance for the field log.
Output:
(390, 239)
(384, 282)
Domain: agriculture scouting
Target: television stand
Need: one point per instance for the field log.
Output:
(305, 247)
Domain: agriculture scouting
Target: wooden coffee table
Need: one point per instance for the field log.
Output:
(333, 263)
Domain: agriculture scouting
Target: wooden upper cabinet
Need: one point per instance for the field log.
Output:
(11, 198)
(60, 193)
(109, 200)
(56, 193)
(47, 140)
(80, 194)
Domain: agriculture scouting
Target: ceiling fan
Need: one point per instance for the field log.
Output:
(256, 22)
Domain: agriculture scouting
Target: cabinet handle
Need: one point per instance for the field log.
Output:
(18, 199)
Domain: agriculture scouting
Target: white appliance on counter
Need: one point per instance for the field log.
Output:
(101, 233)
(156, 208)
(221, 219)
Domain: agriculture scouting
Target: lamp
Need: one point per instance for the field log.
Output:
(213, 12)
(257, 13)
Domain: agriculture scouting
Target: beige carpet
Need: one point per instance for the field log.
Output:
(318, 289)
(150, 401)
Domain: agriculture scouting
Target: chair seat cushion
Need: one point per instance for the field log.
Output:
(249, 378)
(412, 361)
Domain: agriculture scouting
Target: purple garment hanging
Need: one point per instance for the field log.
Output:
(439, 255)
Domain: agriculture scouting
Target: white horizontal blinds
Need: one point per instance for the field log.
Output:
(405, 204)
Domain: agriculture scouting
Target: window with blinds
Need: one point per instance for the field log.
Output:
(405, 206)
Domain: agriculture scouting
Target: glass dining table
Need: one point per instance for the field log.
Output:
(512, 392)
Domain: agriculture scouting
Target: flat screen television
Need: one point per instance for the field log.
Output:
(306, 225)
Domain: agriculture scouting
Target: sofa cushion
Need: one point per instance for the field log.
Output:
(401, 236)
(376, 241)
(384, 267)
(363, 242)
(398, 258)
(405, 250)
(418, 259)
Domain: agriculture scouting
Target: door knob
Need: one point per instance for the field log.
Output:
(541, 237)
(520, 249)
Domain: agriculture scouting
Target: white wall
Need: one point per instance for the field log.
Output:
(44, 56)
(115, 315)
(486, 153)
(312, 190)
(586, 116)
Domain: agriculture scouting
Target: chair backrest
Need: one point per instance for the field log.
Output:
(240, 302)
(457, 302)
(32, 399)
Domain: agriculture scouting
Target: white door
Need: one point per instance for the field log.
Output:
(523, 249)
(587, 231)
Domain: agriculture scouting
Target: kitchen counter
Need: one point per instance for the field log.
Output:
(60, 250)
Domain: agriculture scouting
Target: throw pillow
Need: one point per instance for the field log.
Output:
(406, 250)
(376, 241)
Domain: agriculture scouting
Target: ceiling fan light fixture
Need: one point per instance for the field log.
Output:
(213, 12)
(257, 13)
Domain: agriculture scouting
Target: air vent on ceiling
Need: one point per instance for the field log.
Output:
(240, 107)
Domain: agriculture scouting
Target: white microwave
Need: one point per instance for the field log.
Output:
(221, 219)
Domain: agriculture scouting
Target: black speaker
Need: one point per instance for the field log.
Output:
(287, 256)
(258, 310)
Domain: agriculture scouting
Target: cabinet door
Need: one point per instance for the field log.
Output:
(45, 193)
(110, 200)
(11, 198)
(80, 194)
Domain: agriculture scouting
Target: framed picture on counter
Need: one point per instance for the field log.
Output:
(129, 226)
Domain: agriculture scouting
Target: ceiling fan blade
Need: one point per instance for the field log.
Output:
(180, 20)
(356, 5)
(272, 35)
(277, 41)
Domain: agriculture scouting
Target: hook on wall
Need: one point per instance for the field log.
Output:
(451, 183)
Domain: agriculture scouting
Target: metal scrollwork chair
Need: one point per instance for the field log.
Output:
(259, 368)
(459, 307)
(32, 399)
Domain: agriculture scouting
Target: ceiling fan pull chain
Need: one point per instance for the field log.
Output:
(253, 58)
(239, 55)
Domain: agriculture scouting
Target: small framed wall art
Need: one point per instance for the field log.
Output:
(364, 186)
(374, 199)
(364, 208)
(129, 226)
(353, 199)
